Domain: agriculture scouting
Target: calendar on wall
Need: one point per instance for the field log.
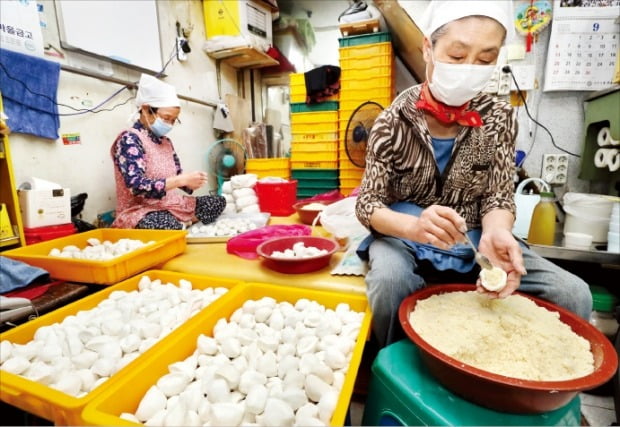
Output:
(584, 45)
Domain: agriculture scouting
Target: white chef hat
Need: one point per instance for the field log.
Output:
(440, 12)
(156, 93)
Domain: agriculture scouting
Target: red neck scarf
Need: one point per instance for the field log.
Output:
(445, 113)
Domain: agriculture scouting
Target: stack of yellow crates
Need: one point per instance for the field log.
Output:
(314, 147)
(367, 74)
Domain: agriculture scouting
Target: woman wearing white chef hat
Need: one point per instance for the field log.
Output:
(147, 169)
(440, 161)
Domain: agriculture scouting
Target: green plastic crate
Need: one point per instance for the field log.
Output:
(329, 183)
(314, 174)
(365, 39)
(403, 392)
(302, 107)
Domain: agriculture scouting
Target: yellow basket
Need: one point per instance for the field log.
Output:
(305, 147)
(318, 164)
(298, 91)
(346, 191)
(365, 50)
(279, 167)
(366, 61)
(366, 73)
(6, 229)
(345, 163)
(315, 127)
(350, 183)
(127, 393)
(313, 118)
(62, 408)
(297, 79)
(329, 136)
(166, 245)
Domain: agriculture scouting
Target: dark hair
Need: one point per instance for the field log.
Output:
(442, 30)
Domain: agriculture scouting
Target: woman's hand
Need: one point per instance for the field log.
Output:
(503, 250)
(439, 226)
(192, 180)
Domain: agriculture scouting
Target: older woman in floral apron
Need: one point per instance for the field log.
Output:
(148, 172)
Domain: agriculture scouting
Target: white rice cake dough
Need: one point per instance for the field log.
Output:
(513, 336)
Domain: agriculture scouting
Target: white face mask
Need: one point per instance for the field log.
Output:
(456, 84)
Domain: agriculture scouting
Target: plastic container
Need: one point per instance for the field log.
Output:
(403, 392)
(302, 107)
(525, 204)
(296, 265)
(603, 307)
(364, 50)
(365, 39)
(542, 227)
(166, 244)
(62, 408)
(43, 234)
(588, 213)
(577, 240)
(125, 395)
(278, 167)
(314, 173)
(277, 198)
(307, 214)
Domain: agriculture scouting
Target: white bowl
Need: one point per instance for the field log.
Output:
(577, 240)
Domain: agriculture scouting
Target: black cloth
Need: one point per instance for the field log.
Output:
(321, 83)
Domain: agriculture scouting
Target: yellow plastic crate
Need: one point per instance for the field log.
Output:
(125, 394)
(167, 244)
(345, 163)
(298, 93)
(352, 104)
(313, 118)
(369, 91)
(365, 50)
(279, 167)
(311, 136)
(366, 73)
(62, 408)
(346, 191)
(304, 147)
(358, 84)
(317, 164)
(315, 127)
(350, 183)
(366, 61)
(297, 79)
(350, 173)
(319, 156)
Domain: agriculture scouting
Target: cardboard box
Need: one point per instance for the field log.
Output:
(247, 19)
(40, 208)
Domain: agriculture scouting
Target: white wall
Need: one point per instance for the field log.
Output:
(88, 167)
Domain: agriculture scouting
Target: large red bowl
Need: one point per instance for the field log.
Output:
(296, 265)
(503, 393)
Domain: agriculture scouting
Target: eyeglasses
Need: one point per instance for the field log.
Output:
(170, 121)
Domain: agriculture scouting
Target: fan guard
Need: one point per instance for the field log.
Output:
(225, 158)
(358, 130)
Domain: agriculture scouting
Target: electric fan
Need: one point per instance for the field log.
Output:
(358, 129)
(225, 158)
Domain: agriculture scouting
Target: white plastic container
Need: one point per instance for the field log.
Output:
(588, 214)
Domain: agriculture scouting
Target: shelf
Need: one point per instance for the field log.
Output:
(244, 57)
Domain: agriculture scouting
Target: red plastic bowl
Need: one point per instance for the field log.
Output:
(296, 266)
(307, 216)
(503, 393)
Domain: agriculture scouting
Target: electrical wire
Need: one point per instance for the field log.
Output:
(508, 69)
(79, 111)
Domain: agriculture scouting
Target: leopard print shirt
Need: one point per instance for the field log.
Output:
(400, 164)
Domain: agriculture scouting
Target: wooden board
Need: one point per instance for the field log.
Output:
(240, 114)
(360, 27)
(244, 57)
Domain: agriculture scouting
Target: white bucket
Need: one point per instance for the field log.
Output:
(589, 214)
(525, 207)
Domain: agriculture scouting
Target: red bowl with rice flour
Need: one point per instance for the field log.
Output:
(504, 393)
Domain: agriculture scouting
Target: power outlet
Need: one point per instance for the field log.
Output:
(504, 83)
(555, 168)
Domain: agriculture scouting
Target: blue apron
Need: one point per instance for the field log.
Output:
(459, 257)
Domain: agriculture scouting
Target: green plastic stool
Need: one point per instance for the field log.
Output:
(402, 392)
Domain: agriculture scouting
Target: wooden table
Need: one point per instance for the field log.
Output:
(211, 259)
